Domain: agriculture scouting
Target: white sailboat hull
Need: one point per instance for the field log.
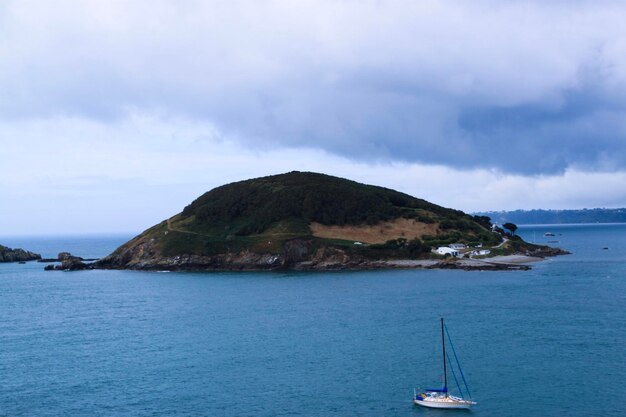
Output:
(445, 403)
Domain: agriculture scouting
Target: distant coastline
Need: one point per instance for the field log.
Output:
(546, 217)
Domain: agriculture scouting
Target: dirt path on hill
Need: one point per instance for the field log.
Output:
(171, 229)
(504, 240)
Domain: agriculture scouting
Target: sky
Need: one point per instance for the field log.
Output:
(114, 115)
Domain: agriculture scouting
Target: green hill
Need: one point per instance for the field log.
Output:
(299, 219)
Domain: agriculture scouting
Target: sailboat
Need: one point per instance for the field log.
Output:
(440, 397)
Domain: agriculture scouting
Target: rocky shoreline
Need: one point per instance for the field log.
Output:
(299, 257)
(192, 264)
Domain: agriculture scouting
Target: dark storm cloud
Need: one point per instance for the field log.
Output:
(586, 129)
(522, 87)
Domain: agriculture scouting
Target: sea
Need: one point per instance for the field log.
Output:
(550, 341)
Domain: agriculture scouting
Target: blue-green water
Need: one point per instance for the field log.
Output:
(545, 342)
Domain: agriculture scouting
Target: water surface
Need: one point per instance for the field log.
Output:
(543, 342)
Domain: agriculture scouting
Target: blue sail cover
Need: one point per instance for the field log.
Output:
(444, 389)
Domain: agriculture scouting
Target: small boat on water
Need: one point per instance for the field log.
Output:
(548, 234)
(440, 397)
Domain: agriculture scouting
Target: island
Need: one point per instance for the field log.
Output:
(17, 255)
(311, 221)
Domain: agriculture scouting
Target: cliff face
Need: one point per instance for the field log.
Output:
(17, 255)
(299, 220)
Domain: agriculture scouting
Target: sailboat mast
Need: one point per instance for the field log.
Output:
(445, 370)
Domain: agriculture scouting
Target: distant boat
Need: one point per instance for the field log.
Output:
(548, 234)
(440, 397)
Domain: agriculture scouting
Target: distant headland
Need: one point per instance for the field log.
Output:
(538, 216)
(312, 221)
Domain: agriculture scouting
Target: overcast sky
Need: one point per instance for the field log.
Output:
(114, 115)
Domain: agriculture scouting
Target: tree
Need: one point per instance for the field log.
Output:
(484, 221)
(510, 227)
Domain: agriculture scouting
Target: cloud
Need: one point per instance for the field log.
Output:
(114, 115)
(129, 174)
(520, 87)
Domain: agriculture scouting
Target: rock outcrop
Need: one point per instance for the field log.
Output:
(296, 254)
(17, 255)
(68, 263)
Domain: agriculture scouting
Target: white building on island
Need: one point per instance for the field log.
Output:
(445, 250)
